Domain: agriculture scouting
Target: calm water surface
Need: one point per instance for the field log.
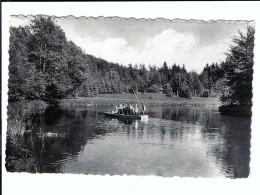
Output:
(175, 141)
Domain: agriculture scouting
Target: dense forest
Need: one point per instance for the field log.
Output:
(44, 65)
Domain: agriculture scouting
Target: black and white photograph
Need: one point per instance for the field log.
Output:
(130, 98)
(126, 96)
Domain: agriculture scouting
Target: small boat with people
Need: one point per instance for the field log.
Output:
(128, 111)
(122, 116)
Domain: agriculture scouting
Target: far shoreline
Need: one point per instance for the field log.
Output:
(149, 99)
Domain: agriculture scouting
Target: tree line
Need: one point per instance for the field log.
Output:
(44, 65)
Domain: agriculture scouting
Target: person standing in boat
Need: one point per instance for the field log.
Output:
(143, 108)
(128, 109)
(136, 109)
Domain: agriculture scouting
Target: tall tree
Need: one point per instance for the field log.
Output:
(239, 69)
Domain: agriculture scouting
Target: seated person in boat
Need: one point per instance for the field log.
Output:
(120, 109)
(115, 111)
(127, 109)
(124, 109)
(132, 110)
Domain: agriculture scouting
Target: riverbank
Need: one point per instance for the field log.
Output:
(21, 155)
(152, 99)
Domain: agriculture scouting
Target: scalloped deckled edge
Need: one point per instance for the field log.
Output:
(176, 20)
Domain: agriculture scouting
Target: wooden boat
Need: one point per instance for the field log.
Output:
(122, 116)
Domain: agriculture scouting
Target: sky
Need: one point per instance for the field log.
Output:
(150, 42)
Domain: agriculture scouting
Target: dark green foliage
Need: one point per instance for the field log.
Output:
(43, 64)
(18, 68)
(239, 69)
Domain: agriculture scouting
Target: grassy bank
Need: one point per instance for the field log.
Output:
(20, 155)
(18, 112)
(147, 98)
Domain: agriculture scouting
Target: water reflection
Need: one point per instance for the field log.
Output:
(176, 141)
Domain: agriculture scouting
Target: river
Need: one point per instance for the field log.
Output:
(175, 141)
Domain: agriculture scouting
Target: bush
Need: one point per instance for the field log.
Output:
(184, 93)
